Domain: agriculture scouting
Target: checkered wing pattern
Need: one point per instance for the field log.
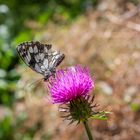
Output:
(40, 57)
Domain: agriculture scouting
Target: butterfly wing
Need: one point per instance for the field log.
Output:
(50, 64)
(39, 57)
(55, 58)
(34, 54)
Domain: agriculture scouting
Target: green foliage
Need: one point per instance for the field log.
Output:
(102, 115)
(6, 128)
(135, 107)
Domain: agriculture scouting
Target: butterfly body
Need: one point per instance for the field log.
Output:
(40, 57)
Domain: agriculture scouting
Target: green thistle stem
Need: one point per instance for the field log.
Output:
(88, 130)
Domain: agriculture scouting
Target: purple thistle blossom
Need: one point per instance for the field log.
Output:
(70, 84)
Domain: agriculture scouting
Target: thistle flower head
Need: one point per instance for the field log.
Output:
(71, 88)
(70, 84)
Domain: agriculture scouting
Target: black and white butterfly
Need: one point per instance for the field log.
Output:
(40, 57)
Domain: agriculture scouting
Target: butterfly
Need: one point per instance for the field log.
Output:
(40, 57)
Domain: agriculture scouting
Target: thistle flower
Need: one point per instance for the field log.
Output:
(71, 88)
(70, 84)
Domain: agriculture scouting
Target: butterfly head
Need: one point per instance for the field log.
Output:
(48, 73)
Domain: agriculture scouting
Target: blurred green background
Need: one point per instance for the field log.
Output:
(103, 35)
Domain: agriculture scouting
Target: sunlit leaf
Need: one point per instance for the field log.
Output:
(135, 107)
(102, 115)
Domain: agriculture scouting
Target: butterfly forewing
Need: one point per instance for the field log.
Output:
(40, 57)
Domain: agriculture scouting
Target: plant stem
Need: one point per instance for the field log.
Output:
(88, 130)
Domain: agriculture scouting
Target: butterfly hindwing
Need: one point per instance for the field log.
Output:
(39, 57)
